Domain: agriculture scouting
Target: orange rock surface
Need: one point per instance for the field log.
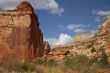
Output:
(20, 35)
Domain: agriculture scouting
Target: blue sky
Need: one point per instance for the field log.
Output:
(60, 20)
(78, 16)
(75, 12)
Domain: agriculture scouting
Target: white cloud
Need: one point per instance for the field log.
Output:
(9, 4)
(52, 41)
(93, 31)
(50, 5)
(101, 12)
(79, 30)
(76, 28)
(64, 40)
(97, 19)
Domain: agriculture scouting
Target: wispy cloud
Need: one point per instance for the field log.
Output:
(50, 5)
(63, 39)
(76, 28)
(97, 19)
(101, 12)
(80, 30)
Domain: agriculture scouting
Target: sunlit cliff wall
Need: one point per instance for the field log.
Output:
(20, 34)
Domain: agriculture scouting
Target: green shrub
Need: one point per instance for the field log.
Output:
(27, 66)
(19, 67)
(12, 66)
(51, 63)
(103, 60)
(39, 62)
(79, 63)
(93, 50)
(89, 46)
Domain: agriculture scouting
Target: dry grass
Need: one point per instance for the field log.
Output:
(78, 64)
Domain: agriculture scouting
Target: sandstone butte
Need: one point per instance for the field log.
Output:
(20, 36)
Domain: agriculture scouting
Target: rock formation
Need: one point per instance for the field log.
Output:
(92, 45)
(46, 47)
(83, 37)
(20, 34)
(57, 53)
(105, 30)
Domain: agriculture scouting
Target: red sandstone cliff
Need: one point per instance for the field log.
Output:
(20, 33)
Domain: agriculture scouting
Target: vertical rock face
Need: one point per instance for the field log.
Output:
(20, 34)
(107, 27)
(105, 30)
(46, 47)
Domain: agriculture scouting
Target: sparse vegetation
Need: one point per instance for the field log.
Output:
(19, 67)
(77, 64)
(103, 60)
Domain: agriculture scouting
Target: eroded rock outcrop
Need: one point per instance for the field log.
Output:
(105, 30)
(20, 33)
(46, 47)
(91, 45)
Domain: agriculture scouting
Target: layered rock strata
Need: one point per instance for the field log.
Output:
(20, 34)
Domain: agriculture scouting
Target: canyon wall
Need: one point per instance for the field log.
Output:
(20, 35)
(105, 30)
